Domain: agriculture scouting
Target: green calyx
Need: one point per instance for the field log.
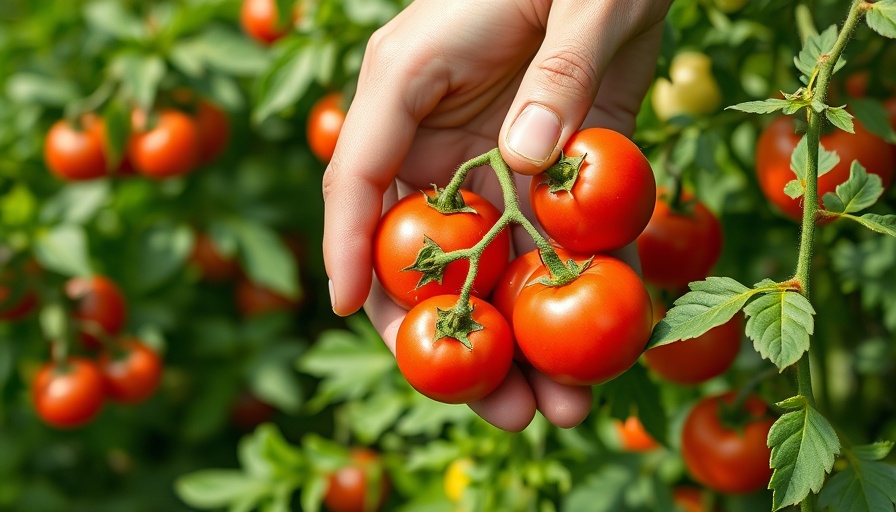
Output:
(563, 174)
(428, 263)
(447, 202)
(561, 273)
(457, 323)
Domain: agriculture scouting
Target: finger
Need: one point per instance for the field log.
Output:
(564, 406)
(565, 75)
(511, 407)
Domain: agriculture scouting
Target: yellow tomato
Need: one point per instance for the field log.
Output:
(693, 90)
(457, 478)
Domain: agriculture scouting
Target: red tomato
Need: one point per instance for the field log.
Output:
(324, 124)
(214, 130)
(170, 148)
(69, 394)
(698, 359)
(588, 331)
(131, 372)
(689, 499)
(99, 307)
(633, 437)
(444, 369)
(725, 459)
(213, 265)
(259, 19)
(73, 154)
(611, 201)
(399, 236)
(347, 489)
(776, 145)
(253, 300)
(19, 308)
(679, 247)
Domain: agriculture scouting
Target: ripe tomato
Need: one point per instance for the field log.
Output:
(679, 247)
(324, 124)
(723, 458)
(689, 499)
(444, 369)
(609, 204)
(457, 478)
(259, 18)
(348, 487)
(131, 372)
(776, 145)
(400, 234)
(74, 154)
(633, 437)
(170, 148)
(69, 394)
(588, 331)
(698, 359)
(99, 307)
(693, 90)
(214, 130)
(253, 300)
(213, 265)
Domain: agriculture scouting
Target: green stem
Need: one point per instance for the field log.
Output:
(457, 180)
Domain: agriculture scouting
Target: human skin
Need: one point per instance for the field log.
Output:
(444, 82)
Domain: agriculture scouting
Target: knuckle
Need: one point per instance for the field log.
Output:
(572, 68)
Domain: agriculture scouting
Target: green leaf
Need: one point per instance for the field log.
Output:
(313, 493)
(860, 191)
(684, 152)
(799, 160)
(273, 379)
(804, 447)
(762, 106)
(839, 117)
(140, 76)
(428, 417)
(779, 323)
(633, 390)
(18, 206)
(222, 49)
(76, 203)
(710, 303)
(286, 82)
(882, 18)
(63, 249)
(867, 485)
(117, 122)
(159, 253)
(265, 257)
(794, 189)
(286, 459)
(873, 116)
(110, 17)
(54, 322)
(26, 87)
(371, 417)
(884, 224)
(814, 47)
(213, 488)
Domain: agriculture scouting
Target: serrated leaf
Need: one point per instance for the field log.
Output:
(867, 485)
(794, 189)
(799, 160)
(884, 224)
(873, 116)
(860, 191)
(780, 323)
(804, 446)
(762, 106)
(882, 18)
(286, 82)
(710, 303)
(839, 117)
(815, 46)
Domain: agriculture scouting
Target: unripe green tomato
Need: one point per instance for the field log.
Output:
(730, 6)
(693, 90)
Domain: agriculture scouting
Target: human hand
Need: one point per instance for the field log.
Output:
(439, 85)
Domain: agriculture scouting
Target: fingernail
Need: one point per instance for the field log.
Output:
(534, 133)
(332, 295)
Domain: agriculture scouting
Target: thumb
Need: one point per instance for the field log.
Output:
(559, 87)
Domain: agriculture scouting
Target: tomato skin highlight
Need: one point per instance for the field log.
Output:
(609, 204)
(347, 487)
(777, 142)
(446, 370)
(633, 437)
(132, 376)
(259, 19)
(98, 301)
(400, 234)
(724, 459)
(677, 248)
(70, 395)
(74, 155)
(170, 148)
(324, 124)
(697, 359)
(608, 309)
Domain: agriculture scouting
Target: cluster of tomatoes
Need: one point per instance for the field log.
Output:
(70, 391)
(161, 144)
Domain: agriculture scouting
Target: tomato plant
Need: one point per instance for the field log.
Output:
(401, 233)
(442, 368)
(606, 306)
(360, 487)
(633, 437)
(324, 124)
(692, 91)
(68, 394)
(727, 458)
(611, 195)
(777, 142)
(74, 154)
(131, 371)
(678, 247)
(99, 307)
(168, 147)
